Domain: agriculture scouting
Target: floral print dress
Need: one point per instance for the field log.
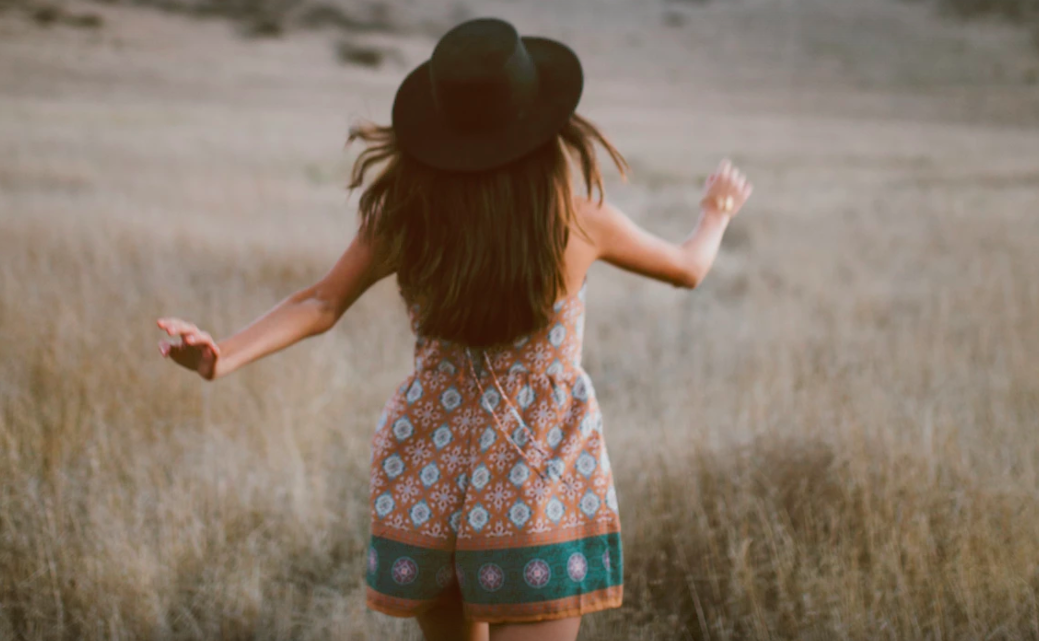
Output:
(490, 477)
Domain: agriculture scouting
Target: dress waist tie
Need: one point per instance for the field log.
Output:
(536, 463)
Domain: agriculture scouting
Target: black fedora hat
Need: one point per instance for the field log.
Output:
(486, 97)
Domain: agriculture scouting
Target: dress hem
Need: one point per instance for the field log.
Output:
(606, 599)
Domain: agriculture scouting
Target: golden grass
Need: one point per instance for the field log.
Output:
(833, 439)
(139, 503)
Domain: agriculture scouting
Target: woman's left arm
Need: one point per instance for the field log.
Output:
(310, 311)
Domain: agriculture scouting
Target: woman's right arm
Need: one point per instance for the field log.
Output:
(310, 311)
(621, 242)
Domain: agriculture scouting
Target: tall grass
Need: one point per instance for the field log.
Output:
(137, 504)
(140, 503)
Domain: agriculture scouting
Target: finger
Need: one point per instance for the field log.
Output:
(213, 347)
(210, 343)
(202, 340)
(198, 337)
(181, 328)
(170, 323)
(721, 172)
(164, 348)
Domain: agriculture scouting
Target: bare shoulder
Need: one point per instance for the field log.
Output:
(593, 218)
(375, 253)
(600, 222)
(616, 239)
(592, 212)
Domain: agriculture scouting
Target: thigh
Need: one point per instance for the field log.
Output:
(446, 621)
(557, 630)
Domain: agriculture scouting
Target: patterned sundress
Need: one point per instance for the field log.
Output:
(490, 476)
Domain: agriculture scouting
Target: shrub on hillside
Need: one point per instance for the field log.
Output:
(1024, 12)
(275, 17)
(1009, 8)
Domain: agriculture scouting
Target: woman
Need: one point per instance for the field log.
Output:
(494, 513)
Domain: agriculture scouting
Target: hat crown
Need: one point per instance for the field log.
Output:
(486, 97)
(482, 76)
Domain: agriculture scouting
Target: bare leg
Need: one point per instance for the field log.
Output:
(558, 630)
(446, 622)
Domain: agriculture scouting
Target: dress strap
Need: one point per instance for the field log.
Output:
(536, 462)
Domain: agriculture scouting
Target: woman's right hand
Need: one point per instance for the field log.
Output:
(196, 350)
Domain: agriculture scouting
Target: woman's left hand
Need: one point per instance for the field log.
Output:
(726, 191)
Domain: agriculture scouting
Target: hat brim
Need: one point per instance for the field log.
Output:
(425, 135)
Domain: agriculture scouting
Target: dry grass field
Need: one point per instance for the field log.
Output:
(835, 437)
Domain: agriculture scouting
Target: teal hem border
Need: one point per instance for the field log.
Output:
(542, 572)
(493, 577)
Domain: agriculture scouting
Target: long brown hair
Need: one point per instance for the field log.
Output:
(481, 254)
